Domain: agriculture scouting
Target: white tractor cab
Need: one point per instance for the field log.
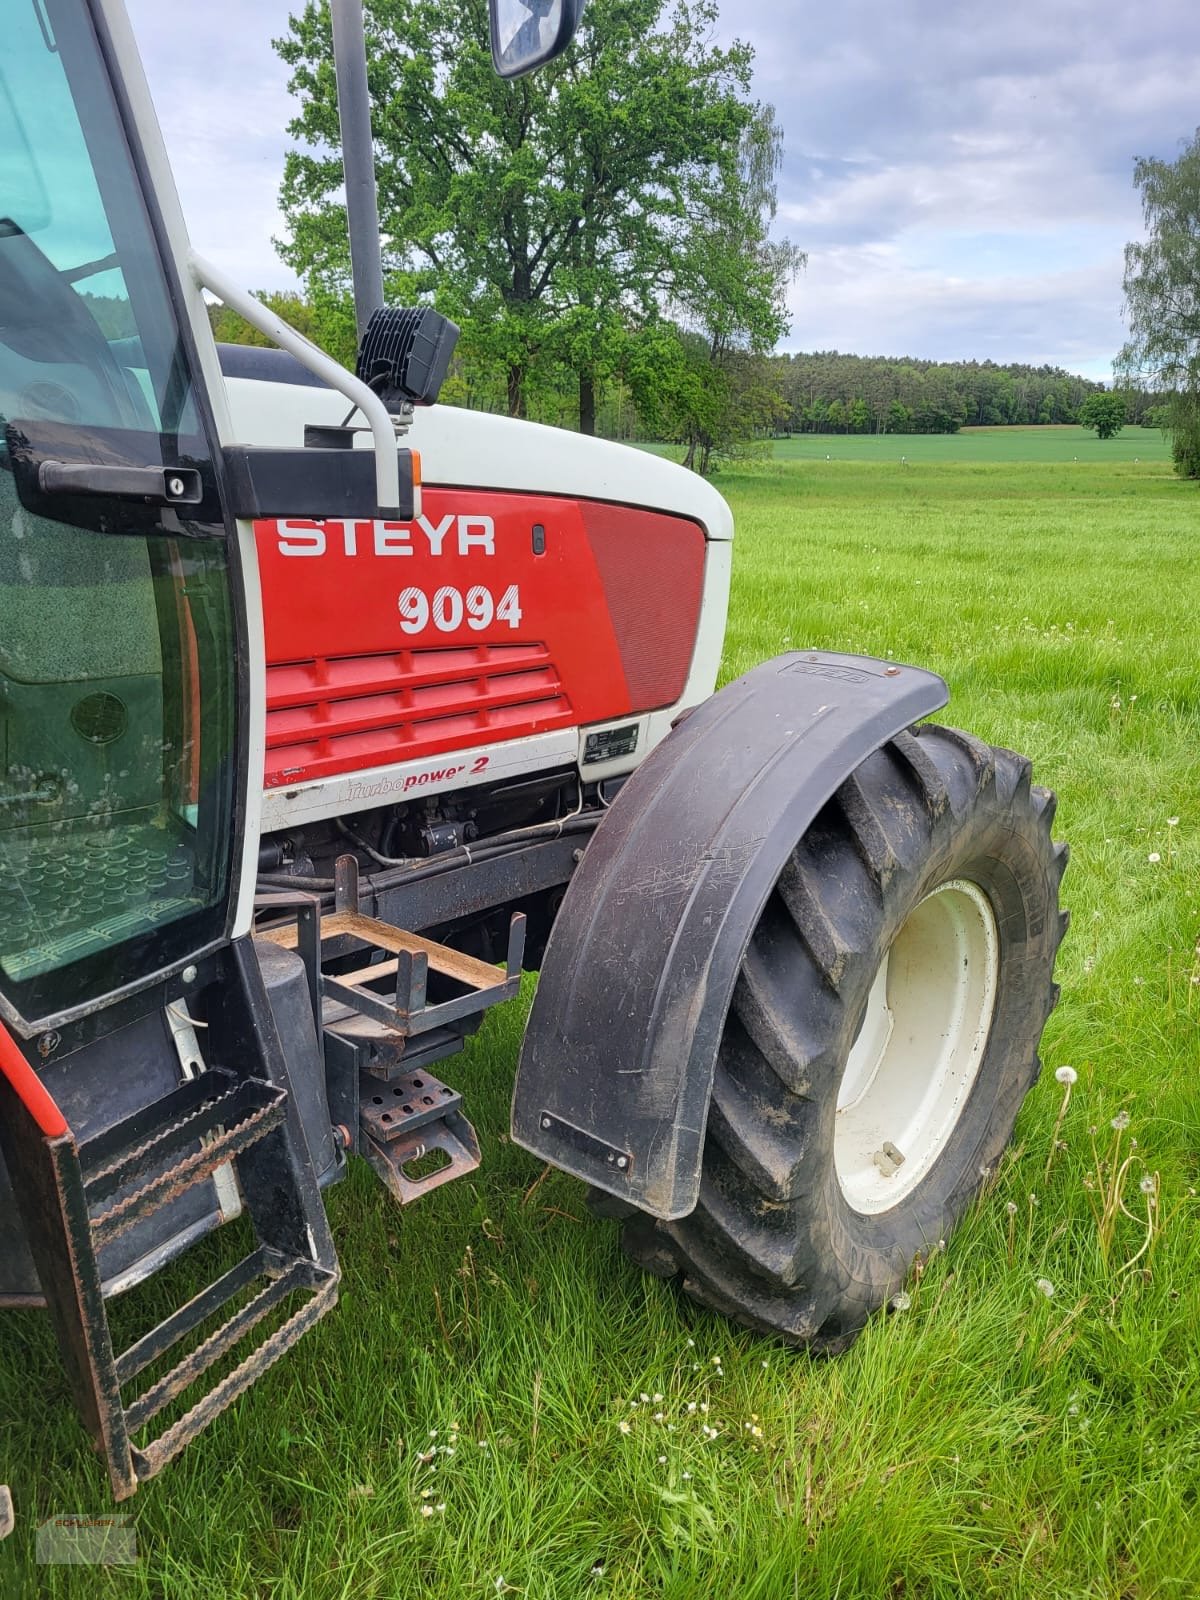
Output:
(324, 710)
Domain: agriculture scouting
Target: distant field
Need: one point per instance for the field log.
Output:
(1055, 444)
(1065, 444)
(991, 1442)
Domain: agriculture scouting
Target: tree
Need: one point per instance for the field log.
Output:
(729, 289)
(1105, 412)
(547, 216)
(1162, 296)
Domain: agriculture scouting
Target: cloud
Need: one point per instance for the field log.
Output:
(961, 176)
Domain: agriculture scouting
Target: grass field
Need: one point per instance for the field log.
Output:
(991, 1440)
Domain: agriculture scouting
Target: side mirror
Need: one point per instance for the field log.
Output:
(528, 33)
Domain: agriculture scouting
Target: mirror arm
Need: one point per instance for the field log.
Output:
(387, 470)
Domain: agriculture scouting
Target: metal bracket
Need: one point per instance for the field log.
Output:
(409, 959)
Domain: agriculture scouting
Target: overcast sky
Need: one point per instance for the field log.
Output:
(960, 176)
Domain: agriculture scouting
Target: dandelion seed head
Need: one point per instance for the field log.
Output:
(1154, 856)
(662, 1461)
(1044, 1286)
(901, 1301)
(426, 1511)
(686, 1474)
(1121, 1121)
(660, 1416)
(1011, 1208)
(1066, 1075)
(658, 1399)
(1147, 1185)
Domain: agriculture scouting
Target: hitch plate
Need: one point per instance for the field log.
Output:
(404, 1120)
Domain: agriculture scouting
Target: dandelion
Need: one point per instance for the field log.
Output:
(644, 1398)
(716, 1361)
(623, 1426)
(691, 1405)
(756, 1431)
(1044, 1286)
(597, 1571)
(686, 1475)
(662, 1461)
(1011, 1208)
(426, 1511)
(1147, 1185)
(441, 1506)
(901, 1301)
(765, 1365)
(659, 1416)
(1172, 822)
(426, 1494)
(704, 1405)
(658, 1399)
(1121, 1121)
(691, 1344)
(1154, 857)
(1066, 1075)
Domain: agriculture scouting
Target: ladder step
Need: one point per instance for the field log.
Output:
(197, 1140)
(297, 1275)
(157, 1454)
(180, 1323)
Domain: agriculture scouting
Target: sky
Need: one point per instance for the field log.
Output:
(960, 175)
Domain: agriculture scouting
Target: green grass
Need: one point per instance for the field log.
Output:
(988, 1441)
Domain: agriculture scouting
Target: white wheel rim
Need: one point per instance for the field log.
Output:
(918, 1052)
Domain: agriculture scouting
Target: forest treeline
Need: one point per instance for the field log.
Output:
(828, 392)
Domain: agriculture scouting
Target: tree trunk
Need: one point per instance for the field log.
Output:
(516, 390)
(587, 403)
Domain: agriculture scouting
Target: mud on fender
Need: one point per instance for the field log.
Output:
(617, 1065)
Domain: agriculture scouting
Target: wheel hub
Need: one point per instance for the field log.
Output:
(918, 1052)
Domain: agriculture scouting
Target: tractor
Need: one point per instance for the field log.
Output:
(326, 711)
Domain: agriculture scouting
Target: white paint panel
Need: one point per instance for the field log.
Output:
(476, 450)
(414, 780)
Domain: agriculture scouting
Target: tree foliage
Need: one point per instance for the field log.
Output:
(1105, 412)
(552, 217)
(1162, 296)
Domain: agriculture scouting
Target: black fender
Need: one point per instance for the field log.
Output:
(617, 1066)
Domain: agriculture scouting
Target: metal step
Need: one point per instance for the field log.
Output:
(154, 1156)
(75, 1197)
(404, 1120)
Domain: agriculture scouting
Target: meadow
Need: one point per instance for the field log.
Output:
(501, 1404)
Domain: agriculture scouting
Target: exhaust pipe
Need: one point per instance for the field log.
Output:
(358, 159)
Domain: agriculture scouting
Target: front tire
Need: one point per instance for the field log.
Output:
(883, 1033)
